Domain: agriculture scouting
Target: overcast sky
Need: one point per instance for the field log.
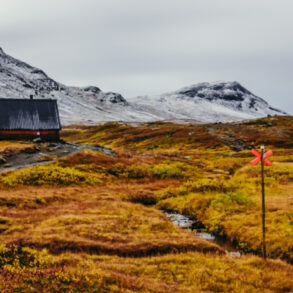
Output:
(139, 47)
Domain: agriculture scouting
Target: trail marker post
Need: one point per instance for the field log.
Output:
(262, 157)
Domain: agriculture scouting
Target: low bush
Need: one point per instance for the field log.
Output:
(205, 185)
(226, 200)
(208, 185)
(163, 171)
(158, 171)
(48, 175)
(19, 256)
(121, 170)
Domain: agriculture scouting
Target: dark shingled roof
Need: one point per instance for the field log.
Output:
(22, 114)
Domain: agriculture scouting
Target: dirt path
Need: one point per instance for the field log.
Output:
(247, 166)
(43, 153)
(283, 163)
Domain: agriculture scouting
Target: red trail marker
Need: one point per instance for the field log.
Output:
(262, 157)
(258, 157)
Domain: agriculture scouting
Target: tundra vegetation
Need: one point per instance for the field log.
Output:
(91, 222)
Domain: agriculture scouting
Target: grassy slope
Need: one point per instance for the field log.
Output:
(93, 229)
(213, 151)
(94, 220)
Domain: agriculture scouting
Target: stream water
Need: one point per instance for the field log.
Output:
(186, 223)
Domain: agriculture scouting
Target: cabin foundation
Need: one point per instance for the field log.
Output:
(47, 135)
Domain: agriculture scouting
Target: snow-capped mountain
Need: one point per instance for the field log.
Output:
(205, 102)
(76, 105)
(208, 102)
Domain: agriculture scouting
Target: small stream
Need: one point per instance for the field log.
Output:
(186, 223)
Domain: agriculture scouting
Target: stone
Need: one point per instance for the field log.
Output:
(2, 160)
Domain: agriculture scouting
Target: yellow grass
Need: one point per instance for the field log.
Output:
(92, 223)
(94, 220)
(36, 271)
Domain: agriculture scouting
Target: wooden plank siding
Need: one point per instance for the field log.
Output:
(24, 119)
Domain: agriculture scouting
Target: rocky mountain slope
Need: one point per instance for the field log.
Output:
(76, 105)
(205, 102)
(209, 102)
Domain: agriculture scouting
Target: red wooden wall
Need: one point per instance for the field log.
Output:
(30, 134)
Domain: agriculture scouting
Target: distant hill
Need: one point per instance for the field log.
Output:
(204, 102)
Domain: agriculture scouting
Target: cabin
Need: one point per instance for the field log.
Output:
(26, 119)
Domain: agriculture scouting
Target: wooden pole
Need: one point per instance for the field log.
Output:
(263, 205)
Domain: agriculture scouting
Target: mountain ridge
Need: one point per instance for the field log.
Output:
(204, 102)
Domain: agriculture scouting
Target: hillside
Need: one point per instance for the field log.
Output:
(205, 102)
(208, 102)
(77, 105)
(90, 215)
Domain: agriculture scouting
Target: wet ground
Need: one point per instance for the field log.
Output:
(43, 153)
(188, 224)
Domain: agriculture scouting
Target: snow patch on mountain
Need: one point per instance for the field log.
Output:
(208, 102)
(204, 102)
(76, 105)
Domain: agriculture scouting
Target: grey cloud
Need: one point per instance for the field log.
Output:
(152, 46)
